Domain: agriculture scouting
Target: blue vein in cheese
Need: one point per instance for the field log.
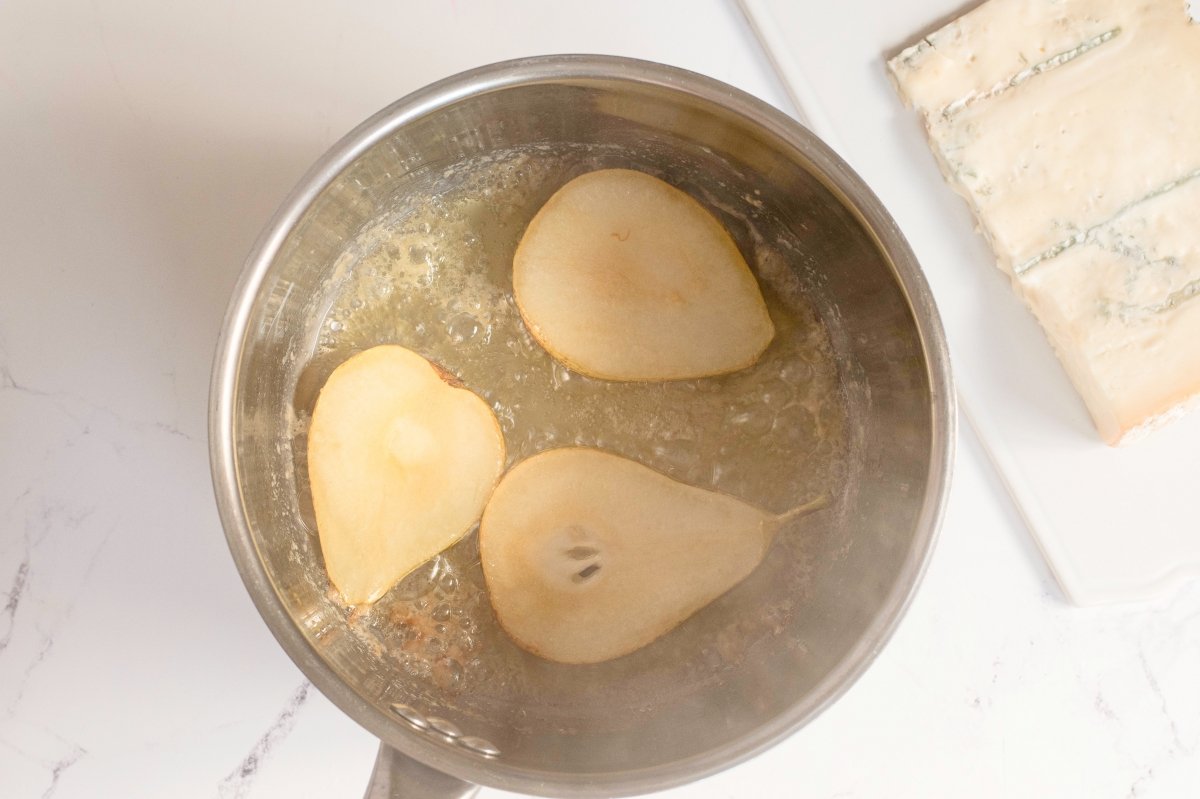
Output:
(1037, 69)
(1172, 301)
(1085, 236)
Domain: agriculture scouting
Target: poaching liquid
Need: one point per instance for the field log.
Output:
(435, 276)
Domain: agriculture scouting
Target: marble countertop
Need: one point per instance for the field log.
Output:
(142, 147)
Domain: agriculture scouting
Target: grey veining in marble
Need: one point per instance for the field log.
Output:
(239, 782)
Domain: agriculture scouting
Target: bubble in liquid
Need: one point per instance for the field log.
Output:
(796, 429)
(462, 327)
(505, 416)
(418, 254)
(824, 448)
(681, 456)
(775, 394)
(796, 372)
(447, 674)
(405, 635)
(561, 375)
(426, 278)
(753, 422)
(712, 658)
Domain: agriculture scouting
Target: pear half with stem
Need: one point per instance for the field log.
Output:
(402, 460)
(622, 276)
(589, 556)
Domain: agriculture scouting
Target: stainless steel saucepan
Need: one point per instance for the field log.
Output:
(403, 232)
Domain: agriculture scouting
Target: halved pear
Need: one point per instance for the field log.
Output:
(402, 460)
(624, 277)
(589, 556)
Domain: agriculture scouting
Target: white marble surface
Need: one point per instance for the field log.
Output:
(142, 146)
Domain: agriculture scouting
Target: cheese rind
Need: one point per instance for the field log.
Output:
(1073, 130)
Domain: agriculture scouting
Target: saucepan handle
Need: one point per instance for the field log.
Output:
(398, 776)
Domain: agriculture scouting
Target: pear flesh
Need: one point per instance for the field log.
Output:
(589, 556)
(622, 276)
(401, 464)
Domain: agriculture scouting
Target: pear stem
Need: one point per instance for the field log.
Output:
(776, 523)
(803, 510)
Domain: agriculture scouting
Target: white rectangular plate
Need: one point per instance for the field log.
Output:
(1114, 524)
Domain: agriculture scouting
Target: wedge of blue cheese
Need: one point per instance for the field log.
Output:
(1072, 128)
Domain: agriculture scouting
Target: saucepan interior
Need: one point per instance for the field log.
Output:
(404, 234)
